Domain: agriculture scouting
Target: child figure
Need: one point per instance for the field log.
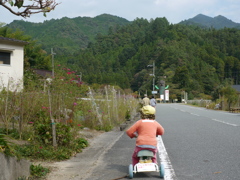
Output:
(145, 130)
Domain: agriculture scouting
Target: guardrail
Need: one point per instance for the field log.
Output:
(234, 109)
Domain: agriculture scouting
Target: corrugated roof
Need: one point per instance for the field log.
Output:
(237, 87)
(5, 39)
(43, 73)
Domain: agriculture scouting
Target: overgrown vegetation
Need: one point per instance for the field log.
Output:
(56, 110)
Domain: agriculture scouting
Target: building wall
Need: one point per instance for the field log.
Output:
(12, 74)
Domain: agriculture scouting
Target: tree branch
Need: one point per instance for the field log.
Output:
(30, 7)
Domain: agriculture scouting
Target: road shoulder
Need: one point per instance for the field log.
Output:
(82, 164)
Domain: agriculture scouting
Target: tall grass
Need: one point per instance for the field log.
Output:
(63, 100)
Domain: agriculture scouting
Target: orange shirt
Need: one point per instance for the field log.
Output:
(147, 131)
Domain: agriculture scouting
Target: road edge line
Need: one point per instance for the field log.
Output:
(164, 159)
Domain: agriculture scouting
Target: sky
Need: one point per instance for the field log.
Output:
(174, 11)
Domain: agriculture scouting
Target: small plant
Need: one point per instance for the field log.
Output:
(38, 171)
(22, 178)
(127, 116)
(80, 143)
(4, 145)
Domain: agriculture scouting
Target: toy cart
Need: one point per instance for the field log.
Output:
(145, 164)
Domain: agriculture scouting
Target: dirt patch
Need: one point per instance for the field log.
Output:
(56, 167)
(89, 134)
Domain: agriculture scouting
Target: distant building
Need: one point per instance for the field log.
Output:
(11, 63)
(237, 87)
(43, 73)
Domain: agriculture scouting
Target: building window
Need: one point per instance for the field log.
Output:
(5, 58)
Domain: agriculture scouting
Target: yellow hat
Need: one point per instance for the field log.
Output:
(148, 110)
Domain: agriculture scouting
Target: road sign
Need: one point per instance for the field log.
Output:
(154, 92)
(167, 95)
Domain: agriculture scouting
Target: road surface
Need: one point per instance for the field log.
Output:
(198, 144)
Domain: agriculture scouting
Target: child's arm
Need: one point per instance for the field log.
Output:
(160, 130)
(131, 132)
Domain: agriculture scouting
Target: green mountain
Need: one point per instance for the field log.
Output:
(67, 35)
(217, 22)
(196, 60)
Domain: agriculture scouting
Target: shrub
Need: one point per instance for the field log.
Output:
(48, 152)
(79, 144)
(43, 133)
(4, 145)
(38, 171)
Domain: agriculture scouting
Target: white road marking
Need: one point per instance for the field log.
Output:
(164, 159)
(235, 125)
(199, 108)
(194, 114)
(236, 114)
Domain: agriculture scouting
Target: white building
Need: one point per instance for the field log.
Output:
(11, 63)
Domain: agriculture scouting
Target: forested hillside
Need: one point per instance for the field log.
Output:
(67, 35)
(196, 60)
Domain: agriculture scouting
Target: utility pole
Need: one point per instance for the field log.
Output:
(80, 76)
(52, 53)
(153, 73)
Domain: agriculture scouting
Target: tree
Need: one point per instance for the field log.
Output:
(29, 7)
(231, 95)
(2, 24)
(182, 77)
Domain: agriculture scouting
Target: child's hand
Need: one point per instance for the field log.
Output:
(135, 135)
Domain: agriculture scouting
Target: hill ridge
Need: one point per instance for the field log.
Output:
(217, 22)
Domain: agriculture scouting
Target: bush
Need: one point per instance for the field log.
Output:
(4, 145)
(80, 143)
(43, 133)
(48, 152)
(38, 171)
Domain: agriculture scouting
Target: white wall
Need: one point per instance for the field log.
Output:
(13, 73)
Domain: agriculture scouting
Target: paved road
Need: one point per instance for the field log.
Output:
(200, 144)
